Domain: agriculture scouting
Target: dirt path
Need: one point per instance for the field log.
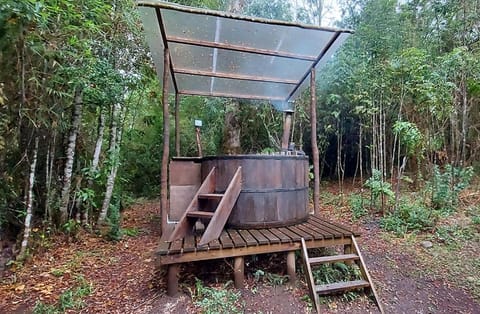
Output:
(122, 277)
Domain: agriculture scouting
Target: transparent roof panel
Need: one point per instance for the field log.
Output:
(241, 63)
(221, 54)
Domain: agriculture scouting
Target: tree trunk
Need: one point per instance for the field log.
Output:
(28, 217)
(113, 152)
(50, 158)
(99, 142)
(315, 155)
(72, 141)
(84, 211)
(231, 141)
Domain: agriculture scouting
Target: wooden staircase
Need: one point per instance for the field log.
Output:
(353, 257)
(210, 208)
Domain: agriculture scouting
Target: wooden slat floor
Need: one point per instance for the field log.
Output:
(317, 232)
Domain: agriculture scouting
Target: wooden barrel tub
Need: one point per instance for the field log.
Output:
(274, 190)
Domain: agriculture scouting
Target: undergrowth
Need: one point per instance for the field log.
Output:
(71, 299)
(211, 300)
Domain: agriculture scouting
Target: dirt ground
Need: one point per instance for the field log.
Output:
(122, 277)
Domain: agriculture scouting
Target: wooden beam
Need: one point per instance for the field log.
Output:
(166, 142)
(291, 269)
(249, 250)
(315, 155)
(287, 126)
(177, 125)
(320, 56)
(239, 270)
(235, 76)
(172, 280)
(239, 48)
(229, 95)
(165, 45)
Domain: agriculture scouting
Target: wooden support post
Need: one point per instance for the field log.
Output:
(166, 141)
(291, 270)
(172, 280)
(177, 125)
(315, 156)
(239, 269)
(199, 141)
(347, 249)
(287, 126)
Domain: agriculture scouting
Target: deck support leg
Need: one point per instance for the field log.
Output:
(239, 269)
(347, 249)
(172, 280)
(291, 271)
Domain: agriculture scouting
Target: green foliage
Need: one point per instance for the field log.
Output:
(357, 205)
(272, 279)
(71, 299)
(454, 234)
(131, 232)
(410, 216)
(330, 273)
(71, 228)
(409, 135)
(445, 186)
(378, 187)
(113, 216)
(213, 301)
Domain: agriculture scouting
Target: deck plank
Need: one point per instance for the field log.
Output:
(344, 228)
(236, 238)
(225, 240)
(176, 247)
(214, 245)
(330, 228)
(325, 228)
(302, 233)
(325, 234)
(189, 244)
(249, 239)
(305, 227)
(284, 238)
(292, 235)
(163, 247)
(270, 236)
(261, 239)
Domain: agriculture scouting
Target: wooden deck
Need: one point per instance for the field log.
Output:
(317, 232)
(238, 243)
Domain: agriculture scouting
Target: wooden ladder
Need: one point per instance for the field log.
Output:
(200, 208)
(354, 257)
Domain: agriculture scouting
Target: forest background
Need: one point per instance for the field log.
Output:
(81, 124)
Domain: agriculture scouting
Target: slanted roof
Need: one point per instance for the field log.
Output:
(220, 54)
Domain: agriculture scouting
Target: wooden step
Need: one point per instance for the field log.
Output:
(333, 259)
(210, 196)
(200, 214)
(341, 286)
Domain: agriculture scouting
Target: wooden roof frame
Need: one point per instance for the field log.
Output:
(235, 78)
(170, 71)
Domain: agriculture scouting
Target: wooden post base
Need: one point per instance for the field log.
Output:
(172, 280)
(239, 270)
(291, 270)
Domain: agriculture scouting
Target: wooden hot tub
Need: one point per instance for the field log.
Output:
(274, 190)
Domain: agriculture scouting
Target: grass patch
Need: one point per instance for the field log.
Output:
(71, 299)
(213, 301)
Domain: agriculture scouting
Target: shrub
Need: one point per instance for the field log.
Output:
(446, 185)
(357, 206)
(379, 188)
(212, 300)
(410, 216)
